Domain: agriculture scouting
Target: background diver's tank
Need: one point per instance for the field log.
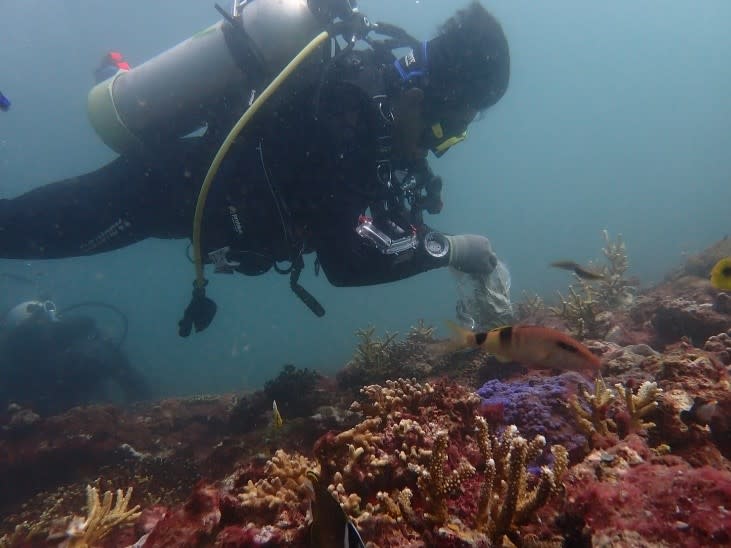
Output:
(175, 92)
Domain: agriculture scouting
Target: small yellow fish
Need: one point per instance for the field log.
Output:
(721, 274)
(278, 421)
(581, 271)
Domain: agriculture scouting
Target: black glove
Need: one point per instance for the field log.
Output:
(471, 253)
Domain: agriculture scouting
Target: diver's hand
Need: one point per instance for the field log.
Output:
(471, 253)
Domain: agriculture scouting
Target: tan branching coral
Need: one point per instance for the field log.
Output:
(582, 312)
(421, 332)
(586, 308)
(594, 414)
(614, 289)
(640, 404)
(506, 499)
(436, 482)
(531, 308)
(101, 517)
(285, 483)
(372, 352)
(594, 420)
(399, 394)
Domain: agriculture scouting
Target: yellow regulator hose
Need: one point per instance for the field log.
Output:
(228, 141)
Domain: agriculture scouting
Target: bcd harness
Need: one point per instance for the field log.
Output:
(400, 193)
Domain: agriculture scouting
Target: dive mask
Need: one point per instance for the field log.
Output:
(444, 132)
(439, 140)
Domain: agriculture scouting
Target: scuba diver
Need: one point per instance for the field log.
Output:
(52, 360)
(329, 153)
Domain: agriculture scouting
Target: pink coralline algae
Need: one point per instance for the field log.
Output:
(662, 499)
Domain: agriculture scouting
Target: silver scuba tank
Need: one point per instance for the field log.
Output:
(175, 92)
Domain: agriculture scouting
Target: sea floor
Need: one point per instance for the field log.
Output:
(419, 448)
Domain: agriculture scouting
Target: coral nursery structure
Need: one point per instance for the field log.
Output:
(411, 447)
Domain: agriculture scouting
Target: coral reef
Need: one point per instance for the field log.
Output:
(470, 486)
(641, 457)
(600, 415)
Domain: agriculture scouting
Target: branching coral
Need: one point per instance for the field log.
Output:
(284, 483)
(593, 413)
(421, 332)
(412, 464)
(530, 309)
(640, 404)
(101, 518)
(372, 352)
(435, 482)
(614, 289)
(399, 394)
(585, 309)
(582, 312)
(506, 499)
(595, 420)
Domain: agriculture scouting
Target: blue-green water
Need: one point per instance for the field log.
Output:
(617, 117)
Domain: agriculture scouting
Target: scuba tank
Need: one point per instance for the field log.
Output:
(181, 89)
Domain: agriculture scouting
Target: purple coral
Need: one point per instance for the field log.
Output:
(536, 405)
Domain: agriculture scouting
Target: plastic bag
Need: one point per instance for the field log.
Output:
(484, 300)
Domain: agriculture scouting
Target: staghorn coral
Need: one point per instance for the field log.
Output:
(586, 308)
(435, 482)
(582, 312)
(530, 309)
(506, 499)
(600, 416)
(421, 332)
(595, 420)
(614, 289)
(372, 352)
(640, 404)
(101, 518)
(377, 360)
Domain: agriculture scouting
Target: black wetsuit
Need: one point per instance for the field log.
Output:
(296, 181)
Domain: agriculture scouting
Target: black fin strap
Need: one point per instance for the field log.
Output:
(304, 295)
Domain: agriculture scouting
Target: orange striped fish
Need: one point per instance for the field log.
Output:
(531, 346)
